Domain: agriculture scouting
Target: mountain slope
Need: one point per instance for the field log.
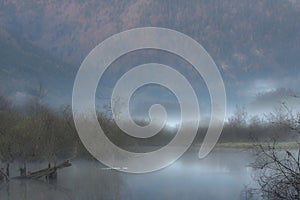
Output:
(25, 67)
(237, 33)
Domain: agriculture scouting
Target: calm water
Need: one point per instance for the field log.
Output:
(222, 175)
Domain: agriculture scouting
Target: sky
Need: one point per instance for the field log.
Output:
(258, 93)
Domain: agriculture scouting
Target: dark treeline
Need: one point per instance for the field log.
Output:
(37, 132)
(241, 127)
(272, 126)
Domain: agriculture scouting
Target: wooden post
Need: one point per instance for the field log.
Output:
(7, 169)
(3, 175)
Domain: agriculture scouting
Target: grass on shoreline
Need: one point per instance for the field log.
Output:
(251, 145)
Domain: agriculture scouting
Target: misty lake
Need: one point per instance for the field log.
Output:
(221, 175)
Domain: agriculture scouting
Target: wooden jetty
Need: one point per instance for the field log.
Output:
(49, 172)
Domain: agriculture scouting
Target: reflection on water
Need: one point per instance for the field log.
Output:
(32, 189)
(222, 175)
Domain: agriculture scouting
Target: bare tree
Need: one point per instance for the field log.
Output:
(278, 172)
(278, 167)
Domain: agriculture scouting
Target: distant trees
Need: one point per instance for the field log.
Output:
(239, 117)
(241, 127)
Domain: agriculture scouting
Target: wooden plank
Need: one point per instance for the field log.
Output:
(44, 172)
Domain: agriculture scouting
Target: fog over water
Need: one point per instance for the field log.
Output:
(221, 175)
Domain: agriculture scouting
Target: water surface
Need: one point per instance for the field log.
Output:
(221, 175)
